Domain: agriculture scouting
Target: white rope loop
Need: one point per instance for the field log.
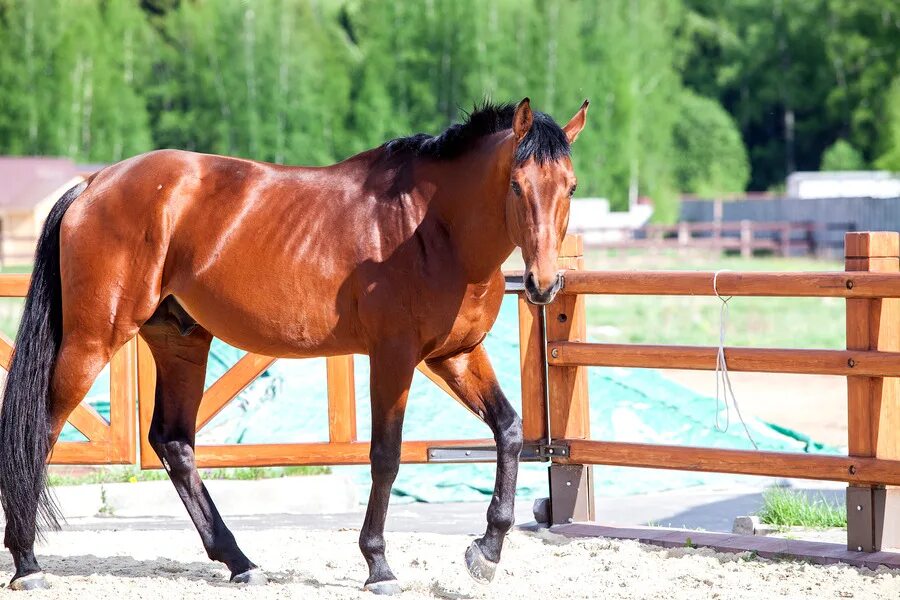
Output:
(723, 380)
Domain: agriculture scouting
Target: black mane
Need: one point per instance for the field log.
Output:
(545, 141)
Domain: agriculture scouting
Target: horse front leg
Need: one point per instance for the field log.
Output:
(391, 371)
(472, 378)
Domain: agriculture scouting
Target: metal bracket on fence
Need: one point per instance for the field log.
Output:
(462, 454)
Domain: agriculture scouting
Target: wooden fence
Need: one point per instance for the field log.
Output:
(871, 363)
(782, 238)
(555, 409)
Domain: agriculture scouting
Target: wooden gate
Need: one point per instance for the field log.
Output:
(110, 442)
(341, 448)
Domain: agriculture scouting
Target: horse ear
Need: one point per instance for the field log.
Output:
(522, 119)
(576, 123)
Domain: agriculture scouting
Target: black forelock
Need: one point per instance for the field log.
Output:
(545, 141)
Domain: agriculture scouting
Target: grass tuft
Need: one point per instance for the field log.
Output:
(789, 508)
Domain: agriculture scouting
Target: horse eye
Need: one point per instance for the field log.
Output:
(572, 191)
(516, 188)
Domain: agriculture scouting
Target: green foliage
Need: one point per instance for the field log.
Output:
(313, 81)
(889, 160)
(712, 159)
(794, 74)
(842, 156)
(788, 508)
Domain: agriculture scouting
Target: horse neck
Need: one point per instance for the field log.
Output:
(472, 202)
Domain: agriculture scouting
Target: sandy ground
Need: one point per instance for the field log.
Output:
(815, 405)
(327, 564)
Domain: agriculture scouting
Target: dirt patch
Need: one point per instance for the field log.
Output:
(327, 564)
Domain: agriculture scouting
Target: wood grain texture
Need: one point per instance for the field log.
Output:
(873, 403)
(341, 399)
(765, 360)
(123, 403)
(6, 350)
(566, 322)
(146, 390)
(747, 462)
(837, 284)
(88, 421)
(230, 384)
(14, 285)
(531, 364)
(315, 453)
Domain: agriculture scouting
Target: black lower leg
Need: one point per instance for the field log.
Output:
(26, 563)
(23, 556)
(178, 458)
(501, 512)
(385, 464)
(391, 371)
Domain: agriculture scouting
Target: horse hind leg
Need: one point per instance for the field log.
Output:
(79, 361)
(180, 350)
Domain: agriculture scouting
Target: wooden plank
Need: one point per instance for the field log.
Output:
(566, 323)
(229, 385)
(14, 285)
(531, 364)
(316, 453)
(341, 399)
(83, 453)
(6, 351)
(746, 462)
(703, 358)
(146, 390)
(836, 284)
(873, 403)
(122, 403)
(88, 421)
(872, 244)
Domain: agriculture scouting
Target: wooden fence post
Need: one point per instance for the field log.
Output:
(873, 403)
(571, 486)
(746, 238)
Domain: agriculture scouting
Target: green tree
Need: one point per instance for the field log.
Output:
(711, 159)
(889, 160)
(842, 156)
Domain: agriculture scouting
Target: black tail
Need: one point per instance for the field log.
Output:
(24, 418)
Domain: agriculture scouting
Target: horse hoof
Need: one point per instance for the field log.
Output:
(383, 588)
(480, 568)
(34, 581)
(251, 577)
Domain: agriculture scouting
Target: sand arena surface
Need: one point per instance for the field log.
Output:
(327, 564)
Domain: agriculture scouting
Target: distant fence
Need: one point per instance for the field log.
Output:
(747, 237)
(829, 218)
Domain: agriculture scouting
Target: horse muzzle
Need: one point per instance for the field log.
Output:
(535, 294)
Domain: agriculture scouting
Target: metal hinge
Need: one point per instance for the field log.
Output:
(462, 454)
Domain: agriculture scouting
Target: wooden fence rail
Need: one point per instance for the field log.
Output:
(747, 237)
(871, 287)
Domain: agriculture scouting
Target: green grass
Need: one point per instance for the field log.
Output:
(765, 322)
(133, 474)
(788, 508)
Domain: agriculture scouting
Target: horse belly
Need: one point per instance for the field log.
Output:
(266, 318)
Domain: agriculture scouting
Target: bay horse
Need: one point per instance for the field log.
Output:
(394, 253)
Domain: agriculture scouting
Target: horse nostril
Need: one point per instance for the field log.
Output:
(530, 282)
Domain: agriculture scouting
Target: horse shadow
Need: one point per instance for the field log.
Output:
(211, 573)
